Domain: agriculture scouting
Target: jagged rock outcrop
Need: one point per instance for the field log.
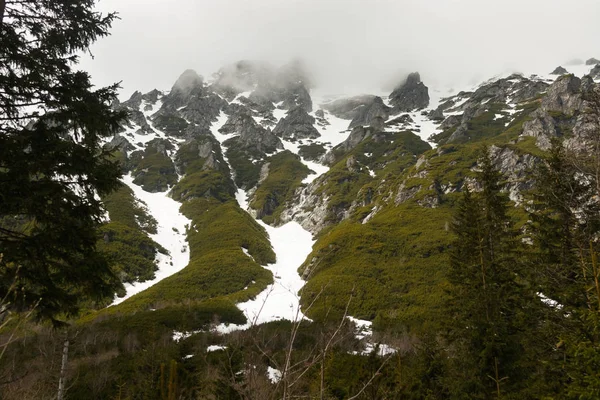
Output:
(528, 90)
(401, 122)
(152, 96)
(451, 122)
(404, 194)
(563, 96)
(371, 113)
(541, 127)
(203, 108)
(204, 151)
(138, 118)
(134, 101)
(559, 71)
(251, 135)
(120, 143)
(560, 112)
(310, 208)
(516, 168)
(191, 100)
(238, 122)
(187, 84)
(410, 95)
(437, 114)
(595, 72)
(297, 124)
(357, 135)
(592, 61)
(288, 84)
(297, 96)
(261, 100)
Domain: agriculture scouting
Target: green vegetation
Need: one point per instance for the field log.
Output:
(204, 184)
(244, 163)
(490, 306)
(153, 169)
(124, 240)
(312, 152)
(218, 267)
(390, 154)
(122, 207)
(486, 127)
(396, 262)
(392, 265)
(130, 252)
(188, 157)
(286, 173)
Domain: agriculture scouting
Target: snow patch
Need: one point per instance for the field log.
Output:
(177, 335)
(215, 347)
(364, 332)
(273, 374)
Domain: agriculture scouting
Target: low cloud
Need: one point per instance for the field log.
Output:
(350, 45)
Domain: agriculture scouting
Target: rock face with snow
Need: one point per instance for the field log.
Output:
(297, 124)
(209, 144)
(250, 134)
(357, 135)
(297, 96)
(410, 95)
(368, 114)
(505, 92)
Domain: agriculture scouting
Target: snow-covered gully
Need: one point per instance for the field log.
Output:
(280, 300)
(170, 234)
(291, 244)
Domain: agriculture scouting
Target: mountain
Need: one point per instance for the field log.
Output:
(255, 201)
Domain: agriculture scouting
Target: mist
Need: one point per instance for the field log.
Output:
(350, 46)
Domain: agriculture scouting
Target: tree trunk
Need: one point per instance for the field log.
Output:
(2, 8)
(63, 368)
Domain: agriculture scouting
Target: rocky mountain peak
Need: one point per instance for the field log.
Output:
(592, 61)
(187, 81)
(559, 71)
(410, 95)
(134, 101)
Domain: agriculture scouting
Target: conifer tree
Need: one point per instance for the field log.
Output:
(564, 226)
(53, 167)
(487, 300)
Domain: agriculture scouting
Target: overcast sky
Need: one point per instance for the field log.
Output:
(350, 44)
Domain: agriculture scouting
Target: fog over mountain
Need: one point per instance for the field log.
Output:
(350, 45)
